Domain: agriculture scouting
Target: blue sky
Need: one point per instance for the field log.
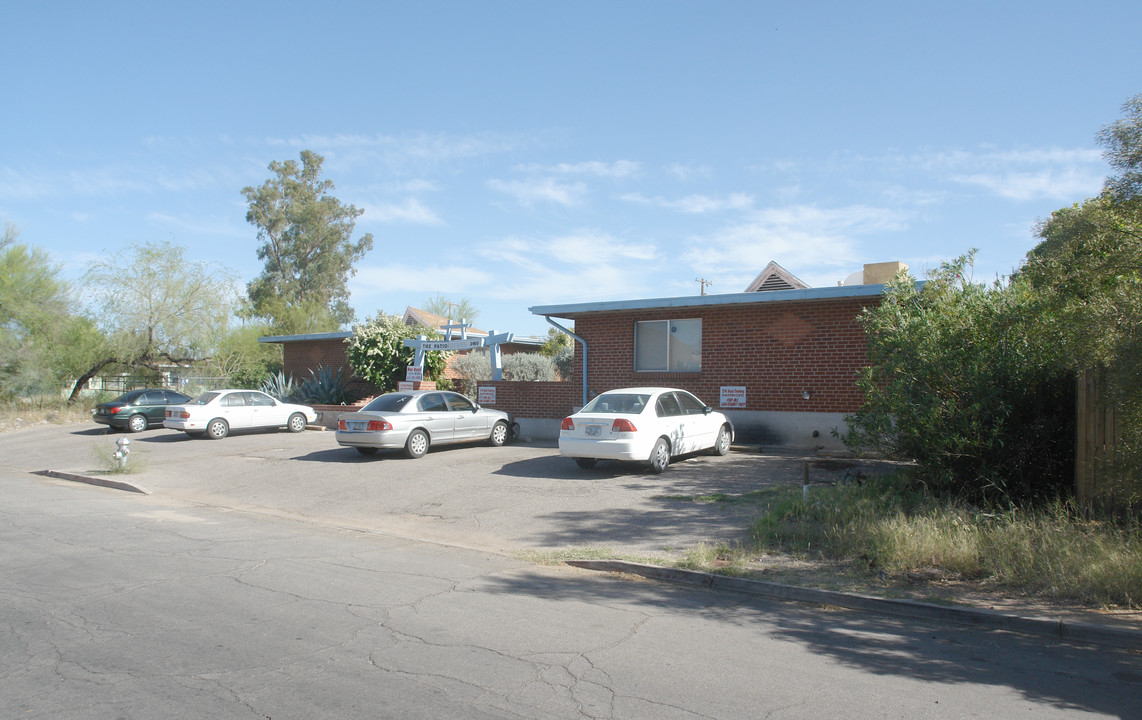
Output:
(535, 153)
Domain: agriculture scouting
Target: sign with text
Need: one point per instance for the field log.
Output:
(404, 386)
(468, 344)
(733, 396)
(414, 373)
(487, 396)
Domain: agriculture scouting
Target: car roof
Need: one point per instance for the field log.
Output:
(643, 390)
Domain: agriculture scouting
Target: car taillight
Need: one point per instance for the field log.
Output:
(623, 425)
(112, 411)
(567, 424)
(375, 425)
(341, 425)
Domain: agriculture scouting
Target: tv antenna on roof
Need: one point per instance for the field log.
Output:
(704, 282)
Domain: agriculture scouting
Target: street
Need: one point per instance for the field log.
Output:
(122, 605)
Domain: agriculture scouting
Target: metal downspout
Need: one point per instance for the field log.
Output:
(582, 342)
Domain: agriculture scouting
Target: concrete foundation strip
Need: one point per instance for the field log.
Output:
(1057, 628)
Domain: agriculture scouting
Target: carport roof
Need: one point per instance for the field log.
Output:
(692, 301)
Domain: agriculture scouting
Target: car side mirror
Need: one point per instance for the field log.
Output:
(707, 410)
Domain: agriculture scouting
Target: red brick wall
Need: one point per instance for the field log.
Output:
(535, 399)
(775, 350)
(301, 356)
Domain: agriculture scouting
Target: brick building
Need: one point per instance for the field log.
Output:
(780, 359)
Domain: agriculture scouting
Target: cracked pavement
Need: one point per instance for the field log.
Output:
(357, 601)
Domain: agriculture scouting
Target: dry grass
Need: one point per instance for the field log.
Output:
(1053, 552)
(18, 414)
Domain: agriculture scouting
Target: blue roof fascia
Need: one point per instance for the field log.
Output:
(749, 298)
(311, 336)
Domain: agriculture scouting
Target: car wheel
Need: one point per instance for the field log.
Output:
(660, 456)
(499, 434)
(417, 444)
(137, 423)
(586, 463)
(217, 429)
(722, 446)
(366, 450)
(296, 422)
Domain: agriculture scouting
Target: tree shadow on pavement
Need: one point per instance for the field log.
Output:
(1064, 676)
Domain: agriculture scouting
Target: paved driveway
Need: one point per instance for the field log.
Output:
(519, 497)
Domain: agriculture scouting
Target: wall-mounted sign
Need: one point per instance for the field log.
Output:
(414, 373)
(733, 396)
(487, 396)
(404, 386)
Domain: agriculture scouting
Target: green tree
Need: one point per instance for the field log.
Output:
(155, 309)
(377, 353)
(557, 341)
(443, 306)
(955, 383)
(41, 340)
(306, 243)
(1122, 148)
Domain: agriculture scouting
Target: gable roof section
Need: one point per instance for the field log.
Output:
(775, 277)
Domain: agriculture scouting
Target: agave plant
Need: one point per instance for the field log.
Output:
(279, 386)
(325, 386)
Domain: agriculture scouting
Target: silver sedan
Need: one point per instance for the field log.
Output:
(418, 420)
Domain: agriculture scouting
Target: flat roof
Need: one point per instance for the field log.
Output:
(340, 335)
(744, 298)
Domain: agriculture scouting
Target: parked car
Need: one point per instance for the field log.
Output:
(646, 424)
(216, 412)
(415, 421)
(137, 410)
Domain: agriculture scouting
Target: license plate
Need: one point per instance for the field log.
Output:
(594, 429)
(356, 425)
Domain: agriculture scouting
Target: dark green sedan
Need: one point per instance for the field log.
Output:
(137, 410)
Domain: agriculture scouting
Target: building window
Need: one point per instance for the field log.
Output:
(668, 345)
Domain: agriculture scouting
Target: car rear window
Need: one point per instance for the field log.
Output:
(626, 403)
(205, 398)
(390, 402)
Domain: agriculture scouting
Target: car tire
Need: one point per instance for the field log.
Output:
(499, 436)
(366, 450)
(217, 429)
(722, 444)
(586, 463)
(296, 423)
(417, 444)
(660, 456)
(137, 423)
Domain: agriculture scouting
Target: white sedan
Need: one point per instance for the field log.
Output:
(644, 424)
(215, 413)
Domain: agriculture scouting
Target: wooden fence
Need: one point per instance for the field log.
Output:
(1100, 478)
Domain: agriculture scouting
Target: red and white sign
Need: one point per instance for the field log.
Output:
(733, 396)
(414, 373)
(486, 396)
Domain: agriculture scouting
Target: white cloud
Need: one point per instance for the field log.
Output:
(410, 211)
(542, 190)
(689, 172)
(694, 204)
(417, 278)
(1026, 174)
(616, 170)
(798, 238)
(1056, 184)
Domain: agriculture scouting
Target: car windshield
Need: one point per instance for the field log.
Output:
(205, 398)
(391, 402)
(627, 403)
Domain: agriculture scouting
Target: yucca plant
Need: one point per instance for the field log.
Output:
(325, 386)
(279, 386)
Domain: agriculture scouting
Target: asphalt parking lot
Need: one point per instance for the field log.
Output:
(519, 497)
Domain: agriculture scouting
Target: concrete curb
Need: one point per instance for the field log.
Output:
(101, 482)
(1059, 629)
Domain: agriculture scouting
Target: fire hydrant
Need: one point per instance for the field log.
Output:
(124, 450)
